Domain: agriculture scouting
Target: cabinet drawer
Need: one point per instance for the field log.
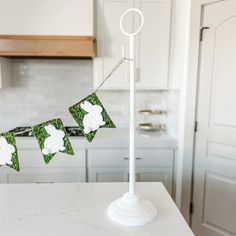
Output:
(53, 175)
(120, 157)
(34, 158)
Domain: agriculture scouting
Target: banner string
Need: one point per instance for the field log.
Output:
(118, 64)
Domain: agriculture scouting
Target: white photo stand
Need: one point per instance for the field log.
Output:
(132, 209)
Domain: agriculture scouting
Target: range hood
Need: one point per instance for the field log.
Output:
(47, 46)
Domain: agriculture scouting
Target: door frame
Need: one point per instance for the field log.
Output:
(190, 97)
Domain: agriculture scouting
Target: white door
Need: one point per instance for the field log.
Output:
(214, 196)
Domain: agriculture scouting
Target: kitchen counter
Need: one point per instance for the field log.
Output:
(113, 138)
(103, 160)
(81, 209)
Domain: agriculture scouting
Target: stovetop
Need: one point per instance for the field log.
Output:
(26, 131)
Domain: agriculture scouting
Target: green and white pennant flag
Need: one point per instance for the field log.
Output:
(52, 138)
(8, 151)
(90, 115)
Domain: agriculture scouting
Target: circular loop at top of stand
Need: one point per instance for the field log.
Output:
(122, 18)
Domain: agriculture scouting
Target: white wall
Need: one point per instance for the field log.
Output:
(178, 76)
(46, 17)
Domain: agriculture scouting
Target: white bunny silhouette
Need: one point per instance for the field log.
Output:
(93, 120)
(6, 151)
(55, 142)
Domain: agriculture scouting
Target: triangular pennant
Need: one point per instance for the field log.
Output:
(8, 151)
(52, 138)
(90, 115)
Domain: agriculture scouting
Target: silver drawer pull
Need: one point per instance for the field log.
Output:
(44, 182)
(137, 158)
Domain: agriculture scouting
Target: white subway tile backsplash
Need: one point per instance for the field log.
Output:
(44, 89)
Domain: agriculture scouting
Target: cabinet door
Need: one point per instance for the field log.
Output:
(109, 42)
(156, 174)
(152, 44)
(112, 165)
(105, 174)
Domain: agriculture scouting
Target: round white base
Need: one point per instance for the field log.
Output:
(132, 210)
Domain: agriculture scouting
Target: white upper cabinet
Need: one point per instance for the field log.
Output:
(152, 44)
(109, 42)
(46, 17)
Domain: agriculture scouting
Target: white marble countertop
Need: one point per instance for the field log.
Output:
(81, 209)
(114, 138)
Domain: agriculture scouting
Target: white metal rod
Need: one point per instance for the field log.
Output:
(132, 119)
(132, 97)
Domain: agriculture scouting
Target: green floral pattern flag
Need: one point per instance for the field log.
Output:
(8, 151)
(52, 138)
(90, 115)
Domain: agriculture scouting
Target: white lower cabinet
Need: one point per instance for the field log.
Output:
(111, 165)
(62, 168)
(92, 165)
(146, 174)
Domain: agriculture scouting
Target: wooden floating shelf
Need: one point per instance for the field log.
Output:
(47, 46)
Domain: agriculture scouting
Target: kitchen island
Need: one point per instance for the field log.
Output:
(81, 209)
